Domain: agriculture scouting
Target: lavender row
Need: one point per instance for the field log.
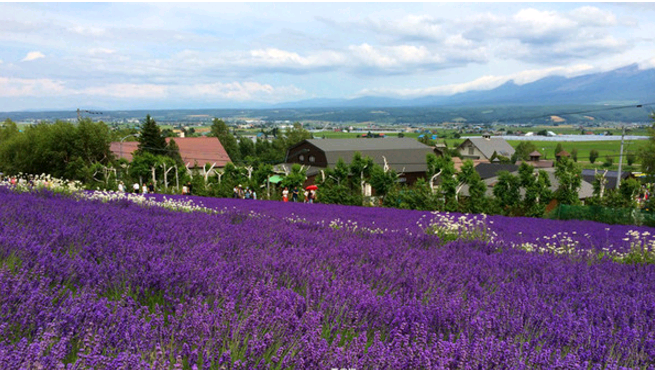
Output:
(92, 285)
(532, 232)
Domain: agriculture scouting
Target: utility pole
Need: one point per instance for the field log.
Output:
(618, 175)
(80, 111)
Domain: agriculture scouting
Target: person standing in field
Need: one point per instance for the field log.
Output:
(185, 190)
(135, 188)
(151, 188)
(294, 194)
(121, 187)
(285, 194)
(144, 189)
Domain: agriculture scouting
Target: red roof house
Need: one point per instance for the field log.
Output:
(200, 150)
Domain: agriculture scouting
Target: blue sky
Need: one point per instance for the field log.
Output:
(218, 55)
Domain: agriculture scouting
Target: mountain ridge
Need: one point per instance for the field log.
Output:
(628, 83)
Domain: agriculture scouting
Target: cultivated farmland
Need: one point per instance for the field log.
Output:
(103, 281)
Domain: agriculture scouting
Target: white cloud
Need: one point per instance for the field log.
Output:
(592, 16)
(22, 87)
(410, 26)
(234, 91)
(33, 55)
(88, 30)
(101, 51)
(482, 83)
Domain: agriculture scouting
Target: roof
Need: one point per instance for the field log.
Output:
(490, 145)
(563, 153)
(535, 154)
(590, 176)
(202, 150)
(487, 170)
(586, 189)
(402, 154)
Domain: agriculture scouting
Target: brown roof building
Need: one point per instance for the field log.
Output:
(404, 155)
(193, 150)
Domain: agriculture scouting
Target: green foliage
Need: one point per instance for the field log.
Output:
(574, 154)
(609, 161)
(220, 130)
(8, 129)
(558, 149)
(296, 177)
(60, 149)
(507, 192)
(647, 152)
(246, 148)
(382, 181)
(593, 155)
(631, 158)
(150, 138)
(522, 151)
(569, 181)
(296, 134)
(173, 151)
(629, 189)
(340, 194)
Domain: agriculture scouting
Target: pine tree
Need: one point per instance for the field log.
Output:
(174, 152)
(220, 130)
(151, 139)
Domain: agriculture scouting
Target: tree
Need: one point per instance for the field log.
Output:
(507, 192)
(382, 180)
(574, 154)
(173, 151)
(151, 139)
(593, 155)
(220, 130)
(297, 176)
(569, 182)
(8, 129)
(61, 149)
(523, 150)
(647, 152)
(629, 189)
(246, 148)
(631, 158)
(609, 161)
(296, 134)
(558, 148)
(476, 200)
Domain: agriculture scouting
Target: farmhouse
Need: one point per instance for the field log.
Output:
(586, 189)
(610, 176)
(484, 148)
(404, 155)
(195, 151)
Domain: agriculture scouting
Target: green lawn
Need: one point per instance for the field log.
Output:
(604, 148)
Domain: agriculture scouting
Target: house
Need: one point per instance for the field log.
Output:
(196, 151)
(484, 147)
(404, 155)
(586, 189)
(610, 176)
(536, 161)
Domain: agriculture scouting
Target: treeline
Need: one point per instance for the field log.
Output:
(82, 152)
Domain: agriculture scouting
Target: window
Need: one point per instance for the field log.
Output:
(312, 159)
(301, 157)
(471, 150)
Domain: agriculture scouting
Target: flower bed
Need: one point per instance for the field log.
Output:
(267, 285)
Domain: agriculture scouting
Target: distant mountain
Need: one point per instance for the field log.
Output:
(624, 85)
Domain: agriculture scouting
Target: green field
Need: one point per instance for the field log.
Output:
(604, 148)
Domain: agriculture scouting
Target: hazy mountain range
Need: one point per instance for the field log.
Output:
(625, 85)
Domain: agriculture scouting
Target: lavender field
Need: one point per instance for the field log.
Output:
(238, 284)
